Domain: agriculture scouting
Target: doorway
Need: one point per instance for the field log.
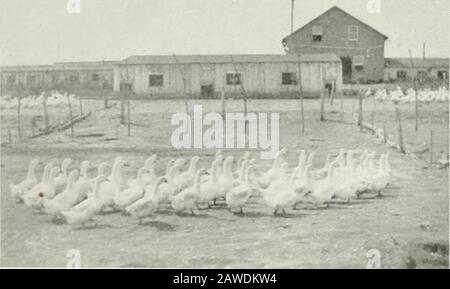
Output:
(207, 91)
(346, 69)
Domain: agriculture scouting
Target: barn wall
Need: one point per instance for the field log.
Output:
(259, 79)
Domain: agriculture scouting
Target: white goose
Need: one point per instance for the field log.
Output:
(274, 172)
(188, 198)
(186, 179)
(149, 203)
(133, 192)
(112, 185)
(169, 188)
(323, 190)
(65, 200)
(45, 189)
(61, 179)
(225, 181)
(17, 191)
(239, 195)
(87, 209)
(210, 184)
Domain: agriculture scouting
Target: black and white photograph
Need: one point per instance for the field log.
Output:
(224, 134)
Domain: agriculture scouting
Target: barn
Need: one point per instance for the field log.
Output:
(206, 76)
(360, 47)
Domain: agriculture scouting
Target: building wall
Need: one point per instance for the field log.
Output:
(390, 73)
(259, 79)
(335, 40)
(51, 78)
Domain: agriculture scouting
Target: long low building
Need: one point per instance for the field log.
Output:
(207, 76)
(403, 69)
(89, 76)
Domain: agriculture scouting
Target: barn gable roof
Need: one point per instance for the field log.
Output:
(223, 58)
(335, 8)
(405, 62)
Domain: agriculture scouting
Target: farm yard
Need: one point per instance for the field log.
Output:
(408, 224)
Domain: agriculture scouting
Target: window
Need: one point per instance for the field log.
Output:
(234, 78)
(288, 78)
(422, 73)
(95, 77)
(353, 32)
(11, 79)
(358, 62)
(442, 74)
(401, 74)
(317, 33)
(155, 80)
(73, 77)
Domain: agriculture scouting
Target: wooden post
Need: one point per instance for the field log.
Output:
(300, 91)
(342, 99)
(322, 102)
(244, 92)
(9, 136)
(360, 110)
(129, 121)
(80, 101)
(415, 90)
(70, 115)
(222, 97)
(105, 95)
(44, 103)
(122, 104)
(431, 147)
(332, 93)
(186, 96)
(400, 132)
(19, 129)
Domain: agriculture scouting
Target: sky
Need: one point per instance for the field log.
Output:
(43, 32)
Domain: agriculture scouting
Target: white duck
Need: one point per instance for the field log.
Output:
(61, 179)
(239, 195)
(225, 180)
(186, 179)
(274, 172)
(85, 210)
(210, 184)
(381, 179)
(323, 190)
(188, 198)
(63, 201)
(149, 203)
(113, 185)
(17, 191)
(169, 188)
(133, 192)
(45, 189)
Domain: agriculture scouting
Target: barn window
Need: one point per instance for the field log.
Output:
(353, 32)
(155, 80)
(401, 74)
(422, 73)
(234, 78)
(288, 78)
(74, 77)
(95, 77)
(11, 79)
(317, 33)
(442, 74)
(358, 62)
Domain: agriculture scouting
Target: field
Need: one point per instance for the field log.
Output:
(408, 225)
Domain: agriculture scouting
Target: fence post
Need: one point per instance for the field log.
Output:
(400, 132)
(360, 110)
(19, 130)
(322, 100)
(431, 147)
(415, 90)
(222, 97)
(128, 115)
(70, 115)
(44, 103)
(80, 101)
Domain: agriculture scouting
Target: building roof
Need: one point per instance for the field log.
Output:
(405, 62)
(335, 8)
(223, 58)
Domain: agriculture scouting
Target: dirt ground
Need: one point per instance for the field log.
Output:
(408, 225)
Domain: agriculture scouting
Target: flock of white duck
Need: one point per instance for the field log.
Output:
(423, 95)
(77, 197)
(55, 99)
